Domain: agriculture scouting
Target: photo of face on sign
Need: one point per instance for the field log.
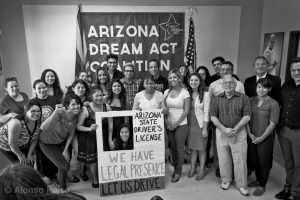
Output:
(122, 134)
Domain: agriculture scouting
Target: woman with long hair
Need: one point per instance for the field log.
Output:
(13, 102)
(81, 89)
(265, 115)
(177, 100)
(198, 121)
(204, 74)
(117, 101)
(18, 137)
(53, 84)
(102, 80)
(124, 138)
(87, 142)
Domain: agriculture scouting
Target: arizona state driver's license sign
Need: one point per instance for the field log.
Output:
(133, 160)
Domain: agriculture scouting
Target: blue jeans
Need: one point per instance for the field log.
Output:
(54, 153)
(177, 139)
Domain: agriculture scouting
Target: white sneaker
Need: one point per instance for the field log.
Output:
(244, 191)
(225, 185)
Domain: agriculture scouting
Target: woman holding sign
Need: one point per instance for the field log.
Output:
(149, 98)
(87, 146)
(198, 120)
(177, 100)
(117, 101)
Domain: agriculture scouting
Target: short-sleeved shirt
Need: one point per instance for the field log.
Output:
(153, 103)
(216, 87)
(9, 105)
(131, 90)
(161, 84)
(25, 136)
(262, 115)
(230, 111)
(48, 106)
(176, 105)
(59, 129)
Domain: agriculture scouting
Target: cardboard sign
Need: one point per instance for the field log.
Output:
(142, 166)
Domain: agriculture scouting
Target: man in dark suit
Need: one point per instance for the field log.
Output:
(261, 67)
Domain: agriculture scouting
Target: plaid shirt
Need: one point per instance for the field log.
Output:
(131, 89)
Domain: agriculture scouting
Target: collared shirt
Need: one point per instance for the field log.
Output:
(230, 111)
(290, 109)
(257, 77)
(131, 89)
(216, 76)
(216, 87)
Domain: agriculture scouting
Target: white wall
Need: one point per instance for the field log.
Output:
(281, 16)
(50, 34)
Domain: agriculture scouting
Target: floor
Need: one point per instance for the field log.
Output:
(189, 189)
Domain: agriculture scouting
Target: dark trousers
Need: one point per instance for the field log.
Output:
(260, 156)
(289, 141)
(177, 139)
(54, 153)
(208, 144)
(44, 165)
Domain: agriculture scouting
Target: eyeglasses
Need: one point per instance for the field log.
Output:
(112, 62)
(228, 82)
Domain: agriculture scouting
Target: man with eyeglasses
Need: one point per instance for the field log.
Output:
(230, 112)
(289, 132)
(214, 90)
(216, 63)
(130, 84)
(112, 64)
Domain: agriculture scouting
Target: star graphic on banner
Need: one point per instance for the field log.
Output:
(168, 26)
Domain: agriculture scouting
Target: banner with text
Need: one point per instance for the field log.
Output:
(135, 37)
(135, 167)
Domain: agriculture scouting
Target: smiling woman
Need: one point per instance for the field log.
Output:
(13, 102)
(18, 137)
(57, 134)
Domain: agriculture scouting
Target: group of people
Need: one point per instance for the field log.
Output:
(53, 128)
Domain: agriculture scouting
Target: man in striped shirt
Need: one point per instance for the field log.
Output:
(230, 112)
